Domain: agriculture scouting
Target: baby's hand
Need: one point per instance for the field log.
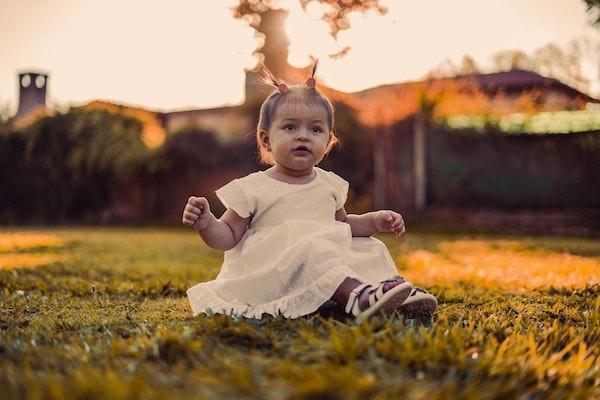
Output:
(389, 221)
(197, 213)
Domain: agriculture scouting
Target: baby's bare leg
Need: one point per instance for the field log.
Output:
(343, 291)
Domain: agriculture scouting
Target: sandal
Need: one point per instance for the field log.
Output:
(420, 301)
(385, 302)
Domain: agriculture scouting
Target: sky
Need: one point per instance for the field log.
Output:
(181, 54)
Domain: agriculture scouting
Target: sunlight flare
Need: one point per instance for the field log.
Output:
(13, 261)
(309, 36)
(504, 265)
(24, 240)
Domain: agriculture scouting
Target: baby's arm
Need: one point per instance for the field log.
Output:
(361, 225)
(221, 234)
(372, 222)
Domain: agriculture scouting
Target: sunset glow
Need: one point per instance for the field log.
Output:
(13, 245)
(190, 54)
(507, 266)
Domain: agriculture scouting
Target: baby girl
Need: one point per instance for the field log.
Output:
(290, 247)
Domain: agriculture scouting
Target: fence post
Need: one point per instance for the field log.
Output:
(379, 187)
(419, 162)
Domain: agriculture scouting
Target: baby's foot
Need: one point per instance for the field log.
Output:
(363, 299)
(420, 301)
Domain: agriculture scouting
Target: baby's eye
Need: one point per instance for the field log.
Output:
(317, 129)
(288, 127)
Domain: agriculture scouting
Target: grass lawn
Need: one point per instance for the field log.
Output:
(102, 313)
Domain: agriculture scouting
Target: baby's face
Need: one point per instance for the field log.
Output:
(296, 126)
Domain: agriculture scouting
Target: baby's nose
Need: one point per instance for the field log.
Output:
(304, 132)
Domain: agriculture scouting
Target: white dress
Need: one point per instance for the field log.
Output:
(294, 254)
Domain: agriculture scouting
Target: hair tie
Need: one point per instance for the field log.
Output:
(283, 88)
(311, 83)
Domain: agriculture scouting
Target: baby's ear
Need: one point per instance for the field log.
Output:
(264, 137)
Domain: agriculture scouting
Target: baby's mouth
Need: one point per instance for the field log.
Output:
(302, 149)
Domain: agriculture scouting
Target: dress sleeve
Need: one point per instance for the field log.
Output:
(232, 196)
(341, 186)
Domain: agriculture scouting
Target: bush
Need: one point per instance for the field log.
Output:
(65, 167)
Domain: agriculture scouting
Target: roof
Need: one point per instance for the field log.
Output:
(521, 79)
(509, 80)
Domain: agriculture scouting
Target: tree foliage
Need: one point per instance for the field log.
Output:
(562, 63)
(593, 10)
(267, 18)
(65, 167)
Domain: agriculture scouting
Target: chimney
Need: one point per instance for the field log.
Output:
(32, 92)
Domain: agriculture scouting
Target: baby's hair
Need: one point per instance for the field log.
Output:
(306, 94)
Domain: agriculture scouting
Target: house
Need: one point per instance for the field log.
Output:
(228, 123)
(500, 93)
(32, 97)
(553, 94)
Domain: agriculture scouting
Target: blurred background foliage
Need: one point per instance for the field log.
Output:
(64, 167)
(93, 165)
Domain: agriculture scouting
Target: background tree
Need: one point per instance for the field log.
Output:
(565, 64)
(593, 10)
(268, 19)
(447, 68)
(551, 60)
(505, 60)
(468, 66)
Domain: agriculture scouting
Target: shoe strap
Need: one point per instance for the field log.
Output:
(376, 294)
(352, 303)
